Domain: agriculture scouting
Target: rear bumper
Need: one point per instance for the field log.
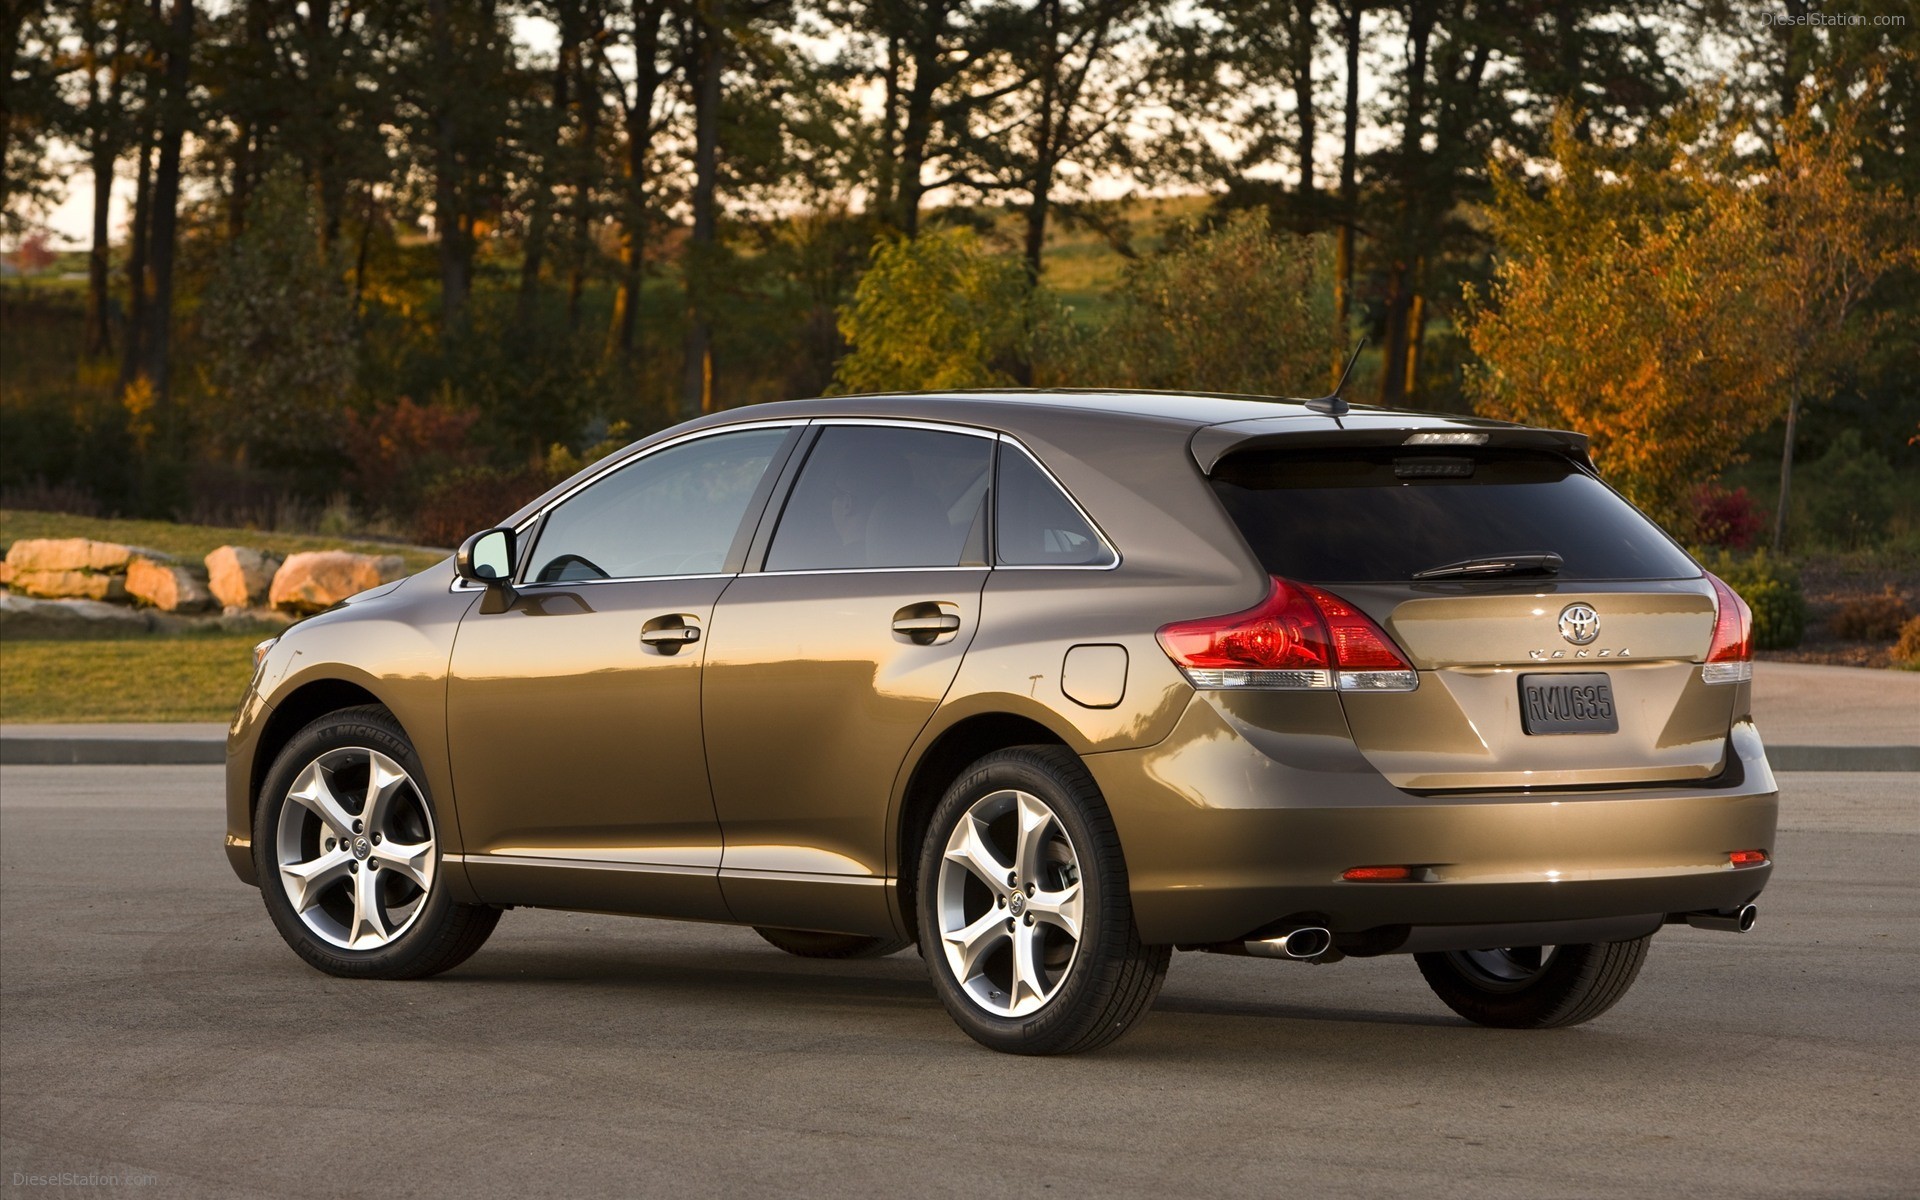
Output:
(1228, 836)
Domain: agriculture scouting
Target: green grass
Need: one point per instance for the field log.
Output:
(192, 543)
(190, 677)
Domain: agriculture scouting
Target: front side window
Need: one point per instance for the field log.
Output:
(1036, 525)
(883, 496)
(673, 512)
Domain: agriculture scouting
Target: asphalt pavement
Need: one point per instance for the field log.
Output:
(157, 1038)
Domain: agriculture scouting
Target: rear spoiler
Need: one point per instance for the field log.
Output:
(1212, 443)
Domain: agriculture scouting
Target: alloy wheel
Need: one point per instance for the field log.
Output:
(355, 848)
(1506, 969)
(1009, 903)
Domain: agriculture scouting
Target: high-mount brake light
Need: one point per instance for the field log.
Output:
(1298, 638)
(1377, 874)
(1730, 657)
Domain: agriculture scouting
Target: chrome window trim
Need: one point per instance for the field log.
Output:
(866, 570)
(1113, 564)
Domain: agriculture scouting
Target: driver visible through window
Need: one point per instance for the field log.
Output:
(672, 512)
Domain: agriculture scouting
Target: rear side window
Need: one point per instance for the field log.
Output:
(883, 496)
(1367, 515)
(1036, 525)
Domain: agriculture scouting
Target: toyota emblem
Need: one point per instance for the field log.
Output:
(1579, 624)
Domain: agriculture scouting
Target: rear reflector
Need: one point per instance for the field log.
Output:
(1730, 657)
(1299, 637)
(1376, 874)
(1747, 858)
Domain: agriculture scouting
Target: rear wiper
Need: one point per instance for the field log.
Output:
(1490, 565)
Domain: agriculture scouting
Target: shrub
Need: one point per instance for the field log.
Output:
(398, 447)
(1239, 308)
(1850, 494)
(1871, 618)
(1731, 520)
(1771, 588)
(469, 499)
(934, 312)
(1906, 651)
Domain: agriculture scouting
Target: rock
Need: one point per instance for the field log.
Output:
(21, 617)
(320, 579)
(70, 554)
(239, 577)
(83, 585)
(165, 586)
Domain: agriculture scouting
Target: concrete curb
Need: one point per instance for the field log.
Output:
(18, 749)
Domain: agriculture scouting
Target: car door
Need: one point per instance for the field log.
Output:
(827, 661)
(573, 708)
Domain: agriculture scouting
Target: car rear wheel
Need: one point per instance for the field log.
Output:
(808, 944)
(1023, 908)
(1534, 987)
(346, 845)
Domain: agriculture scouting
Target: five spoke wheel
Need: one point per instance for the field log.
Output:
(1009, 903)
(354, 848)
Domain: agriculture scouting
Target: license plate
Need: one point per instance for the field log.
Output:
(1567, 704)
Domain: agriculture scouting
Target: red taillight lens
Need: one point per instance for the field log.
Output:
(1730, 657)
(1298, 637)
(1747, 858)
(1376, 874)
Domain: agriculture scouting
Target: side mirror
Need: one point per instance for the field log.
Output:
(486, 558)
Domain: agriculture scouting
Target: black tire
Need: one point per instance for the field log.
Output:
(1110, 980)
(804, 943)
(1573, 985)
(441, 933)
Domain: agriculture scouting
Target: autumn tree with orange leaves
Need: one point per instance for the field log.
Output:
(1671, 300)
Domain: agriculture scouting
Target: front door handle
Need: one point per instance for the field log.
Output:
(668, 634)
(925, 624)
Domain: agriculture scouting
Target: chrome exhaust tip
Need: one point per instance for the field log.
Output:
(1309, 942)
(1738, 920)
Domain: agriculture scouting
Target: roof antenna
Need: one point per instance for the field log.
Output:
(1333, 404)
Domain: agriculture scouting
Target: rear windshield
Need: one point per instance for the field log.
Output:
(1367, 515)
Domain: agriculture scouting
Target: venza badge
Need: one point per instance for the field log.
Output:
(1579, 624)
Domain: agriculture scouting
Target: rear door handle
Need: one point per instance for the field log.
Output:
(925, 624)
(668, 634)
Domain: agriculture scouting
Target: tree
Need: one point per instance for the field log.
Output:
(1236, 309)
(277, 327)
(147, 368)
(1630, 302)
(934, 312)
(1835, 233)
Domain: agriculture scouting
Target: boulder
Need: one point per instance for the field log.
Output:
(21, 617)
(320, 579)
(165, 586)
(80, 585)
(69, 554)
(239, 577)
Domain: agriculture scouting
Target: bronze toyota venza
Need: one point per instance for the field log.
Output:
(1049, 685)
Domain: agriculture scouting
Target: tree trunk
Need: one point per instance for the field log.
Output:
(449, 219)
(696, 372)
(162, 233)
(1401, 283)
(917, 129)
(540, 221)
(583, 207)
(635, 228)
(1786, 468)
(1303, 47)
(137, 298)
(103, 156)
(1349, 190)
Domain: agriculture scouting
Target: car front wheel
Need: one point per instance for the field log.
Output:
(346, 845)
(1023, 908)
(1534, 987)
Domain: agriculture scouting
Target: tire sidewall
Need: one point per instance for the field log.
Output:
(1070, 1005)
(369, 729)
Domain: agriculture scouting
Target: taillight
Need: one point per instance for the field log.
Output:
(1298, 637)
(1730, 657)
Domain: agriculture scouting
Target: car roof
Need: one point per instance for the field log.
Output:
(994, 405)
